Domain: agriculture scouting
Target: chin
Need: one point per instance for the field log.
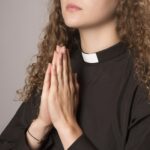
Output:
(80, 23)
(73, 23)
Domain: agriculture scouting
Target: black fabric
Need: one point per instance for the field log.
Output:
(113, 111)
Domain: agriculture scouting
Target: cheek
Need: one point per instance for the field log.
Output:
(99, 10)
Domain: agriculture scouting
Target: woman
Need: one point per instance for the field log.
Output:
(94, 93)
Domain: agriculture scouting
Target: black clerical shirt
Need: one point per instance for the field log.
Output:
(113, 111)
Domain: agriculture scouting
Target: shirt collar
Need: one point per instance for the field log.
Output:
(104, 54)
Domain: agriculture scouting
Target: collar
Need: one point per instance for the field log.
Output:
(105, 54)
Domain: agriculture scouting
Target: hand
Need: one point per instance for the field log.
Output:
(60, 97)
(44, 115)
(64, 92)
(63, 99)
(42, 124)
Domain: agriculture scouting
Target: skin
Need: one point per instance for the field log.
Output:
(59, 102)
(96, 20)
(64, 99)
(59, 99)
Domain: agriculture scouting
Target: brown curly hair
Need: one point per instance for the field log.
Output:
(133, 27)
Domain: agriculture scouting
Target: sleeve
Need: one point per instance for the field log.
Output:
(14, 135)
(138, 132)
(81, 143)
(138, 135)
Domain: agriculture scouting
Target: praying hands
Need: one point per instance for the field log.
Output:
(59, 99)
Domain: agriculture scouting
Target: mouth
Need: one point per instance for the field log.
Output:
(73, 7)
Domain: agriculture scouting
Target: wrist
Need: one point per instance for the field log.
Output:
(70, 129)
(39, 125)
(37, 133)
(69, 134)
(39, 122)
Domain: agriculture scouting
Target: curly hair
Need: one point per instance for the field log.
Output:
(133, 28)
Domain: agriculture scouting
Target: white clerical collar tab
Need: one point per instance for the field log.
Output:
(90, 57)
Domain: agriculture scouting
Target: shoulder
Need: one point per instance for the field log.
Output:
(133, 102)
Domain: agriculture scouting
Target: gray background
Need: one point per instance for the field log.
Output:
(21, 22)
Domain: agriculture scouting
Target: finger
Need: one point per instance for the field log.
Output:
(63, 50)
(55, 62)
(57, 48)
(69, 70)
(65, 70)
(77, 93)
(69, 61)
(59, 67)
(54, 58)
(76, 81)
(54, 74)
(46, 84)
(70, 80)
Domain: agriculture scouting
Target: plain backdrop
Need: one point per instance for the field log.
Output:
(21, 23)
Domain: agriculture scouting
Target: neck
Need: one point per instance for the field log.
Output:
(99, 37)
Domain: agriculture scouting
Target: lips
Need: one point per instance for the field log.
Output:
(72, 6)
